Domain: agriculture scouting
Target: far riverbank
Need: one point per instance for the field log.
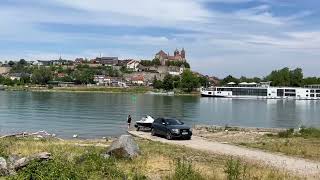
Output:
(95, 89)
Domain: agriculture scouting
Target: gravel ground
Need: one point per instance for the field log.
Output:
(299, 166)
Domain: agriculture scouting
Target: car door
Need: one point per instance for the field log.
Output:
(163, 127)
(156, 125)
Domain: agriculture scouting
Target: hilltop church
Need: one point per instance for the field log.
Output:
(178, 56)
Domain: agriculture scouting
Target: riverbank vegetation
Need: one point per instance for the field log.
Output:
(75, 159)
(94, 89)
(188, 82)
(281, 77)
(303, 143)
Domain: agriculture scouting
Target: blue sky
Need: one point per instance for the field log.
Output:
(221, 37)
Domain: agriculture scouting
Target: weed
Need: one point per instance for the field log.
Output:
(310, 133)
(235, 170)
(286, 134)
(184, 171)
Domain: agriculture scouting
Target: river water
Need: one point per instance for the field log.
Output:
(94, 115)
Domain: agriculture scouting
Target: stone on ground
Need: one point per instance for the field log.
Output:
(3, 166)
(23, 162)
(124, 147)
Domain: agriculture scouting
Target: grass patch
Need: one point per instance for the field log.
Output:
(184, 170)
(158, 161)
(304, 143)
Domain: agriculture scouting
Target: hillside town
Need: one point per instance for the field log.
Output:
(99, 71)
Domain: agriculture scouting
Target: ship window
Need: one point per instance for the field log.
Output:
(290, 90)
(289, 94)
(317, 91)
(307, 90)
(307, 95)
(311, 95)
(209, 92)
(312, 91)
(318, 95)
(269, 94)
(280, 92)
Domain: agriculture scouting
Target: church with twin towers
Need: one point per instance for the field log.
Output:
(177, 56)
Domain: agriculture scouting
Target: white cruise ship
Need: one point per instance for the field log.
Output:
(262, 90)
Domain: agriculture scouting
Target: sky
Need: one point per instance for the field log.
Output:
(221, 37)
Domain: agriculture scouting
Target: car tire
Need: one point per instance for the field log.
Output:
(153, 132)
(169, 135)
(188, 138)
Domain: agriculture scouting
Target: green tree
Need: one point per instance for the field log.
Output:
(156, 62)
(23, 62)
(83, 76)
(203, 81)
(189, 81)
(229, 79)
(11, 63)
(157, 84)
(167, 83)
(41, 76)
(296, 77)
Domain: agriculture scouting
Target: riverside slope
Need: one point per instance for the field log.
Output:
(294, 165)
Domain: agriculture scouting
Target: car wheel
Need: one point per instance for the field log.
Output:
(153, 132)
(138, 128)
(169, 136)
(188, 138)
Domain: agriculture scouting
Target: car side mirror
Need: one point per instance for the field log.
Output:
(164, 123)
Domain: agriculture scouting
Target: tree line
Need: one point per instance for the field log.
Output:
(281, 77)
(81, 74)
(187, 82)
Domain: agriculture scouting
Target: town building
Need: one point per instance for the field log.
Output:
(177, 56)
(133, 65)
(102, 80)
(105, 61)
(137, 80)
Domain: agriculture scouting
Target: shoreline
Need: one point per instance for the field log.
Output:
(84, 89)
(198, 129)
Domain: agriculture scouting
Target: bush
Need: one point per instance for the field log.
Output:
(235, 170)
(286, 134)
(184, 171)
(87, 166)
(310, 132)
(50, 87)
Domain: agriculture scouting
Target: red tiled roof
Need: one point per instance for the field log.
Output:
(137, 78)
(161, 53)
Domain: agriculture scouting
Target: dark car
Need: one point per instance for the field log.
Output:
(171, 128)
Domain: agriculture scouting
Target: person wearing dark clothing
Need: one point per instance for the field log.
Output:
(129, 121)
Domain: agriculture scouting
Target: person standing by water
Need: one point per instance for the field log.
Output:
(129, 121)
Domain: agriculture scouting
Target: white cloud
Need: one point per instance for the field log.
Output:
(225, 40)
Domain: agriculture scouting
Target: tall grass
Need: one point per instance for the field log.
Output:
(235, 170)
(185, 171)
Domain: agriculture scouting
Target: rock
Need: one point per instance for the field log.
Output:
(124, 147)
(23, 162)
(105, 156)
(3, 166)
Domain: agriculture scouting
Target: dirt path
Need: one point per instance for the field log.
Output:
(291, 164)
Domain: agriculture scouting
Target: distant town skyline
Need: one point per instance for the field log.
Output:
(222, 37)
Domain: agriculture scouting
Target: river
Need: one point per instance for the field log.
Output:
(94, 115)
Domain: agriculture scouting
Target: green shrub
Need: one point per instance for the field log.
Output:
(184, 171)
(87, 166)
(286, 134)
(235, 170)
(310, 132)
(50, 87)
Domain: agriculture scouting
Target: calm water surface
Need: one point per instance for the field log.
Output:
(95, 115)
